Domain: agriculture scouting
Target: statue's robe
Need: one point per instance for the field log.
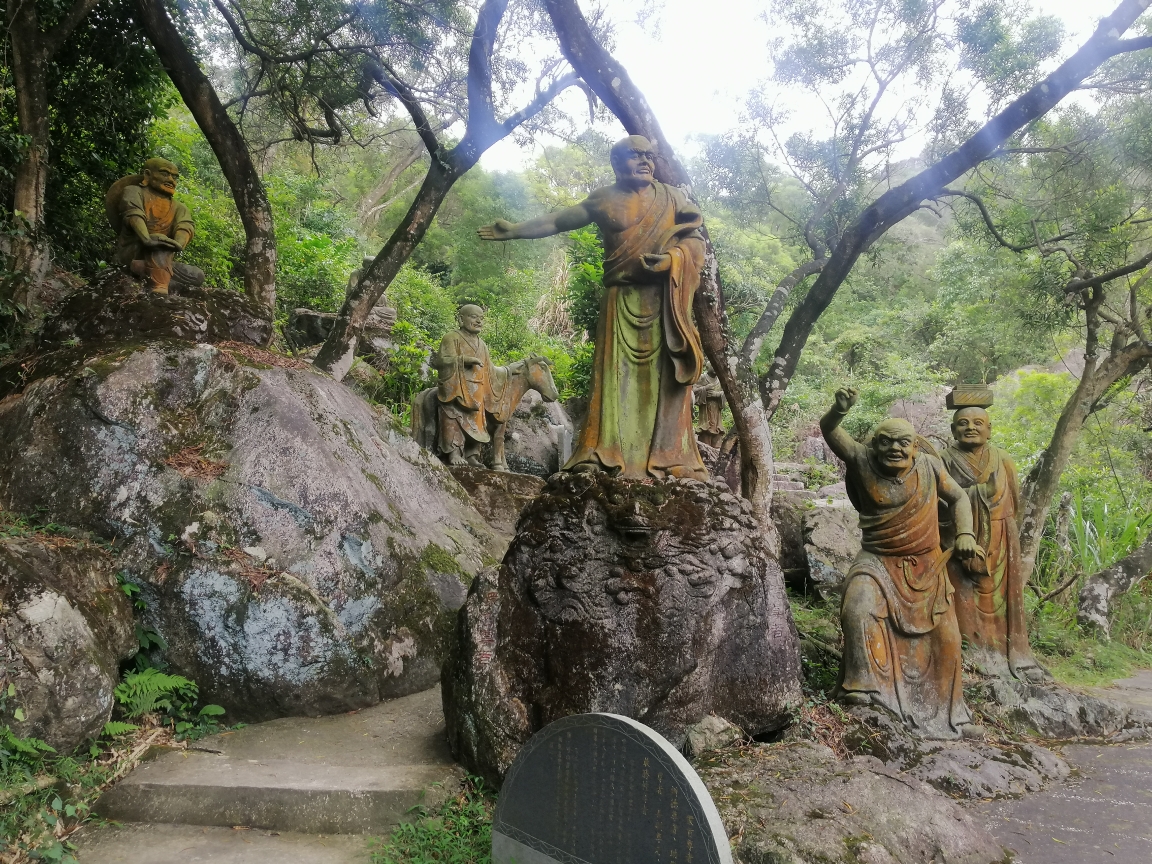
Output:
(901, 641)
(648, 352)
(990, 605)
(465, 391)
(165, 216)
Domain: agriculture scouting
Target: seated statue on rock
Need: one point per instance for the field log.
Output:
(648, 352)
(902, 649)
(474, 398)
(152, 227)
(989, 590)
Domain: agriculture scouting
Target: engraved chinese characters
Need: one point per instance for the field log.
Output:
(602, 789)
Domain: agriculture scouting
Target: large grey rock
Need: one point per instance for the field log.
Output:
(500, 496)
(65, 625)
(656, 600)
(538, 436)
(800, 804)
(297, 552)
(831, 542)
(1052, 711)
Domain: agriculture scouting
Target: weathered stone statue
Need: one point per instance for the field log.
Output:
(474, 399)
(709, 398)
(648, 352)
(465, 369)
(989, 590)
(901, 641)
(152, 227)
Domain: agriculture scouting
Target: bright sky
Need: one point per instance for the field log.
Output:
(696, 67)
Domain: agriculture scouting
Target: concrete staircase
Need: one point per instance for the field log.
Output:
(279, 791)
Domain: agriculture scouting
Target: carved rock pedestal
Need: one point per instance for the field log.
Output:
(658, 600)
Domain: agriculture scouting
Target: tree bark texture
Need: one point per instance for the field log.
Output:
(610, 81)
(32, 51)
(1101, 588)
(903, 200)
(227, 143)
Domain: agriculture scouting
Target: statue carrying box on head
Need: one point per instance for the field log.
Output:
(902, 649)
(989, 590)
(152, 227)
(648, 353)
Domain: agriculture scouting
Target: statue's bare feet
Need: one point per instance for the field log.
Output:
(856, 698)
(502, 467)
(474, 461)
(455, 457)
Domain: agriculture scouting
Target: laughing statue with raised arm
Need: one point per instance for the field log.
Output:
(648, 352)
(901, 640)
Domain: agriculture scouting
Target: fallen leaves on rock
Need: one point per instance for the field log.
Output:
(257, 576)
(192, 463)
(262, 355)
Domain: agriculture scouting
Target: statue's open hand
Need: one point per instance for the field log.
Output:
(966, 548)
(846, 398)
(501, 229)
(161, 241)
(659, 262)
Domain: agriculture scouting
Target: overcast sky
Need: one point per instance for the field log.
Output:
(696, 66)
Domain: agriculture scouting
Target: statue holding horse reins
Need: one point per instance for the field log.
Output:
(474, 399)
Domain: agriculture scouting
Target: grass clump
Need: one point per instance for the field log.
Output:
(460, 833)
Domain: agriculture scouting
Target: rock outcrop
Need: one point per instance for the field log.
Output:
(297, 552)
(500, 496)
(799, 803)
(657, 600)
(1052, 711)
(538, 436)
(65, 625)
(831, 531)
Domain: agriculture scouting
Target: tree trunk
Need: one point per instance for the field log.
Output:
(1097, 594)
(229, 146)
(30, 78)
(610, 81)
(339, 350)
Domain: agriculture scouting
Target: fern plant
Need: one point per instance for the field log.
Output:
(151, 691)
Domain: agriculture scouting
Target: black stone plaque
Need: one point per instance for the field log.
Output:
(604, 789)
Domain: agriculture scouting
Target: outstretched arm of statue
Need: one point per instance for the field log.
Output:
(961, 504)
(839, 440)
(567, 219)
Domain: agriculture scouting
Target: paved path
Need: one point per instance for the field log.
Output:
(1102, 814)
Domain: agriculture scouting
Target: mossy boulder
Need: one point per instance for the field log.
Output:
(297, 553)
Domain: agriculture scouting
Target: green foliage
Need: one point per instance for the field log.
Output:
(461, 833)
(585, 279)
(173, 697)
(106, 89)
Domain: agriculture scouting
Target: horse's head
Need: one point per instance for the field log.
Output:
(540, 377)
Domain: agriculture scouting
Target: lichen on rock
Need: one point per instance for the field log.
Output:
(186, 455)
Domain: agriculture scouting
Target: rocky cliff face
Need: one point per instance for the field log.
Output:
(298, 554)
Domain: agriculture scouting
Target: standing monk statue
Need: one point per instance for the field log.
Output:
(465, 387)
(989, 590)
(152, 227)
(901, 641)
(648, 352)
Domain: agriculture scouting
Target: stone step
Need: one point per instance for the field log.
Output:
(353, 773)
(191, 844)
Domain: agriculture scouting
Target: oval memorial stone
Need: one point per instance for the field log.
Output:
(604, 789)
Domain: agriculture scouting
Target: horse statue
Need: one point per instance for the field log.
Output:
(509, 384)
